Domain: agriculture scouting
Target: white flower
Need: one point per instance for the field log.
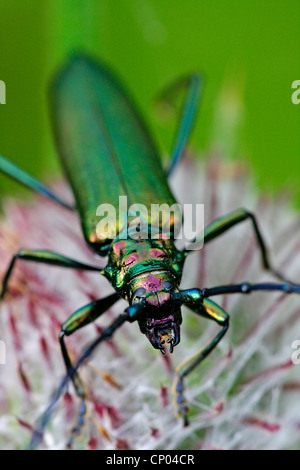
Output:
(245, 395)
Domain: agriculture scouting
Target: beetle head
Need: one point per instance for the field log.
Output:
(162, 329)
(160, 321)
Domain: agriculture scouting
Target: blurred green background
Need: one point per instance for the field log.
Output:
(248, 53)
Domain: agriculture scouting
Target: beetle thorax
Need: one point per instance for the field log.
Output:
(148, 271)
(132, 259)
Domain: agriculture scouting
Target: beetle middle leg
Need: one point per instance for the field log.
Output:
(44, 257)
(212, 311)
(223, 224)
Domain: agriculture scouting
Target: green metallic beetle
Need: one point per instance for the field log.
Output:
(106, 152)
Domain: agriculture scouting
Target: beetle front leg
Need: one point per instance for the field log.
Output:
(212, 311)
(131, 314)
(79, 319)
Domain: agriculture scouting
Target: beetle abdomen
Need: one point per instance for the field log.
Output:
(104, 146)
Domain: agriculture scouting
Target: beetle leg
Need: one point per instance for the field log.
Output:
(79, 319)
(192, 83)
(223, 224)
(212, 311)
(45, 257)
(21, 176)
(131, 314)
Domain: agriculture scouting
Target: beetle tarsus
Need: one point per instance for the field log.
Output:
(76, 430)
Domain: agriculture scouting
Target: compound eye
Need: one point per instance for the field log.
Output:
(139, 293)
(167, 285)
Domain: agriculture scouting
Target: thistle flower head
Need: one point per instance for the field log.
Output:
(243, 396)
